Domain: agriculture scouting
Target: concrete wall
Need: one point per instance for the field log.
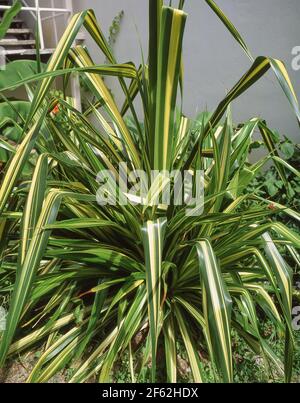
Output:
(213, 61)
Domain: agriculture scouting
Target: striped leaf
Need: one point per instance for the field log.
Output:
(222, 162)
(283, 275)
(168, 71)
(217, 309)
(57, 59)
(170, 349)
(153, 240)
(258, 69)
(34, 205)
(155, 12)
(17, 163)
(82, 59)
(190, 348)
(228, 24)
(27, 271)
(128, 327)
(282, 272)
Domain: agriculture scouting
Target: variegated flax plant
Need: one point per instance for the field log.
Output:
(87, 283)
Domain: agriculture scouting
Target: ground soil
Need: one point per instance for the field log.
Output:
(17, 371)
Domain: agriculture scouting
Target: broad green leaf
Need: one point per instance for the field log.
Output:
(8, 17)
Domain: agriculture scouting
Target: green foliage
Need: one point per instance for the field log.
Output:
(87, 282)
(8, 17)
(271, 184)
(114, 29)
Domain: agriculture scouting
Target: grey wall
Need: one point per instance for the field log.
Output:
(213, 61)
